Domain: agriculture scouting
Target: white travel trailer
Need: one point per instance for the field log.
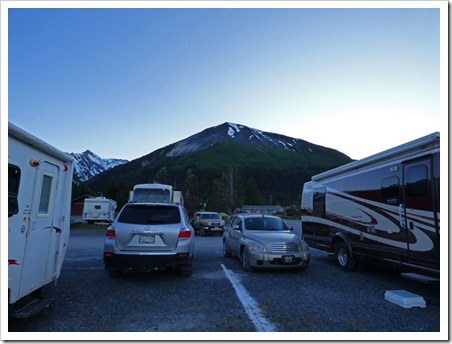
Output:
(383, 209)
(99, 209)
(155, 193)
(39, 196)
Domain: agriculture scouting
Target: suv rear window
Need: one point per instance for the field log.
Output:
(145, 215)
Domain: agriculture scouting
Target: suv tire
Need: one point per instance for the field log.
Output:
(226, 251)
(185, 270)
(114, 272)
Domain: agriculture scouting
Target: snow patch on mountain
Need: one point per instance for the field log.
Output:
(183, 147)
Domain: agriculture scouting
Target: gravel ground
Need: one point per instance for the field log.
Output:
(321, 299)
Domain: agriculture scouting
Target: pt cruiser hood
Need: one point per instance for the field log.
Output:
(271, 236)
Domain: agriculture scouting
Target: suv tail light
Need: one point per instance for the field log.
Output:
(111, 233)
(185, 233)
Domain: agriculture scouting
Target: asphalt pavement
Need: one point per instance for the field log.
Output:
(321, 302)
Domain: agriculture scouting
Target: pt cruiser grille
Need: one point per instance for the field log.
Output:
(284, 247)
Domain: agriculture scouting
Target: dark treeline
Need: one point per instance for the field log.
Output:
(215, 190)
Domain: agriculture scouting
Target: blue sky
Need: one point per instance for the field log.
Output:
(124, 82)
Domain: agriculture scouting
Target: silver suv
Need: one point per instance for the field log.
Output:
(264, 241)
(150, 236)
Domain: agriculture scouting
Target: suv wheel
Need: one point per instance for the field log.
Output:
(226, 251)
(185, 270)
(114, 272)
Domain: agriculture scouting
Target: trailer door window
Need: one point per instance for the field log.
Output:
(44, 197)
(417, 180)
(13, 189)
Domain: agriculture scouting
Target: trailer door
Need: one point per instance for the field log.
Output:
(420, 212)
(40, 233)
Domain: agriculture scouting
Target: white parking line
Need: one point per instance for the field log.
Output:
(251, 306)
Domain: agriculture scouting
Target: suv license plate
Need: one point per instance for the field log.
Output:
(146, 239)
(288, 259)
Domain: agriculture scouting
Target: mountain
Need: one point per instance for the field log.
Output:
(88, 165)
(230, 161)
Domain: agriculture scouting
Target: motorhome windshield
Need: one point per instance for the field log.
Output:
(152, 195)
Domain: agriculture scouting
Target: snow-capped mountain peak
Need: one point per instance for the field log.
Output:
(89, 164)
(229, 131)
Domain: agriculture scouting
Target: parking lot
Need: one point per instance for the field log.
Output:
(220, 297)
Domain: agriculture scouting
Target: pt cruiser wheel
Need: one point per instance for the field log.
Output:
(246, 260)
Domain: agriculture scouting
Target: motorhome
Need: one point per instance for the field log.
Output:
(99, 209)
(381, 209)
(155, 192)
(39, 196)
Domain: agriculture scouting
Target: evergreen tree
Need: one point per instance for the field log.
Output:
(80, 189)
(162, 176)
(219, 200)
(191, 196)
(118, 191)
(253, 195)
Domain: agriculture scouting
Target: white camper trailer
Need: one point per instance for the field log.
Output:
(39, 196)
(99, 209)
(155, 193)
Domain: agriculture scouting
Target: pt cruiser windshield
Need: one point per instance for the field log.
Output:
(265, 223)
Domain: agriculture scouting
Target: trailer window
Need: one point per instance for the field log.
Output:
(390, 186)
(44, 197)
(97, 207)
(318, 202)
(13, 189)
(417, 180)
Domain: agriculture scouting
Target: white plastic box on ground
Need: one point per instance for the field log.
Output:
(404, 298)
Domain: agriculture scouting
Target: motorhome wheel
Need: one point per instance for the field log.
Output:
(343, 257)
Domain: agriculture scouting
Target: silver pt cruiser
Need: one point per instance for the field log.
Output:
(264, 241)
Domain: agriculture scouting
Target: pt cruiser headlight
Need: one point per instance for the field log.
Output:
(304, 246)
(255, 246)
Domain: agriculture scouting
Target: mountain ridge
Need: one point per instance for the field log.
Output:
(252, 164)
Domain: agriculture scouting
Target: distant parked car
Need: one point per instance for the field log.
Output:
(150, 236)
(207, 222)
(264, 241)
